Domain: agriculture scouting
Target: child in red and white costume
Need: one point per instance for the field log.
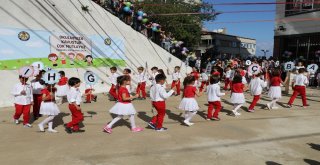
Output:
(123, 106)
(23, 99)
(37, 86)
(154, 73)
(176, 79)
(127, 72)
(275, 89)
(237, 96)
(204, 80)
(196, 75)
(113, 80)
(62, 87)
(158, 96)
(299, 84)
(89, 94)
(256, 86)
(214, 98)
(189, 103)
(142, 82)
(48, 108)
(74, 99)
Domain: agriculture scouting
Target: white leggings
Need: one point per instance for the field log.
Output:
(48, 121)
(189, 115)
(236, 107)
(273, 102)
(116, 119)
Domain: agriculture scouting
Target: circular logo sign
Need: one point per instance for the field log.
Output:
(288, 66)
(51, 77)
(38, 65)
(107, 41)
(24, 36)
(248, 62)
(26, 71)
(254, 69)
(90, 78)
(312, 68)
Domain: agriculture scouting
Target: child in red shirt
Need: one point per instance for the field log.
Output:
(237, 96)
(275, 89)
(189, 103)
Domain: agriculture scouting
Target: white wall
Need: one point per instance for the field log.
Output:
(67, 16)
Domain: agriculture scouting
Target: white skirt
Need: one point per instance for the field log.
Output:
(237, 98)
(49, 108)
(62, 90)
(189, 104)
(123, 109)
(274, 92)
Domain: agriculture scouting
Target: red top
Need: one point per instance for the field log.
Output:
(196, 75)
(237, 88)
(46, 92)
(122, 90)
(63, 81)
(189, 91)
(243, 73)
(275, 81)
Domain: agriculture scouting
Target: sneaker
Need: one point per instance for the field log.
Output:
(68, 129)
(52, 131)
(208, 119)
(188, 123)
(216, 119)
(251, 110)
(161, 129)
(137, 129)
(275, 107)
(27, 125)
(41, 128)
(238, 114)
(16, 121)
(268, 106)
(107, 129)
(289, 106)
(153, 126)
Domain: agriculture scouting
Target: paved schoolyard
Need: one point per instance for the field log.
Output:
(273, 137)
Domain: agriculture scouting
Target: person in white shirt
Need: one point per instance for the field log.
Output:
(23, 99)
(158, 96)
(37, 86)
(204, 80)
(228, 77)
(256, 87)
(142, 78)
(176, 79)
(154, 73)
(113, 80)
(74, 99)
(214, 98)
(299, 84)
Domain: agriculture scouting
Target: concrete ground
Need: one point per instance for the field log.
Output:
(273, 137)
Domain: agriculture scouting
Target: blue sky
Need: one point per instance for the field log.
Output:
(261, 31)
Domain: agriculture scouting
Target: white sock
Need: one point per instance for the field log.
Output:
(116, 119)
(186, 115)
(236, 107)
(190, 115)
(47, 120)
(132, 121)
(50, 124)
(273, 102)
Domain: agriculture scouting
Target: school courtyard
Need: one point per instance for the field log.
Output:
(282, 136)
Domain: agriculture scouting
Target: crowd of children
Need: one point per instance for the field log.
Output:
(45, 97)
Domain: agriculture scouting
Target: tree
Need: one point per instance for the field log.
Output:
(184, 27)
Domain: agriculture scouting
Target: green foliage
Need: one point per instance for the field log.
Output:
(184, 27)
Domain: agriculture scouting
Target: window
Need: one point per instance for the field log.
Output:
(234, 44)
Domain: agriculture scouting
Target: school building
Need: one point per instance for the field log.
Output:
(297, 30)
(219, 44)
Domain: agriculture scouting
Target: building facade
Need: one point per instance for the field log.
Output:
(297, 30)
(224, 45)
